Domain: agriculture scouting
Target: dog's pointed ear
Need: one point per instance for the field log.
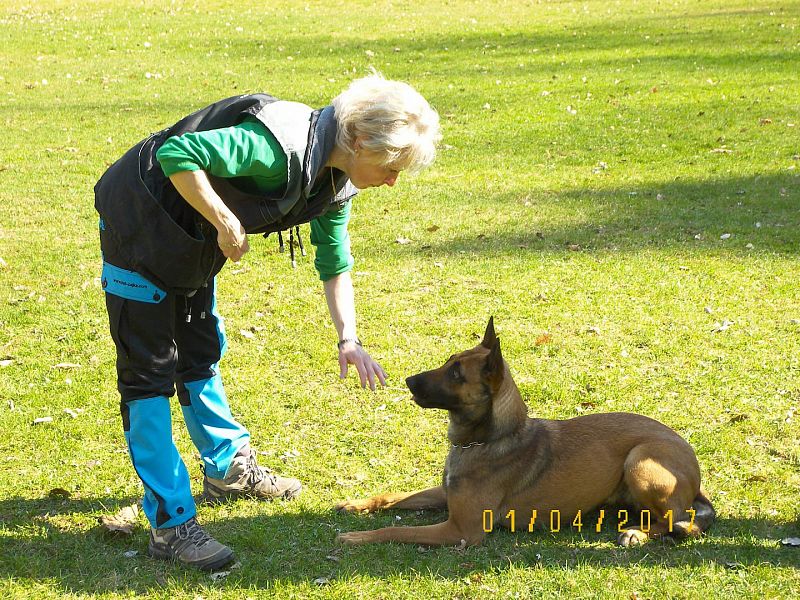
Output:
(489, 337)
(493, 368)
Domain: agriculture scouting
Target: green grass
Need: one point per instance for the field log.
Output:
(532, 229)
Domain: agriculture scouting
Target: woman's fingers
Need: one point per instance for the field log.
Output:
(368, 369)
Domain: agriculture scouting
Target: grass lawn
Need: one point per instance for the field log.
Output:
(623, 176)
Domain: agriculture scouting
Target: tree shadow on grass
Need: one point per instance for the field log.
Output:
(295, 547)
(692, 215)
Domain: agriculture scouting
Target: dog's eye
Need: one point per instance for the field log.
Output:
(455, 372)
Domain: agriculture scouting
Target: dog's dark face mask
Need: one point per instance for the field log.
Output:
(465, 384)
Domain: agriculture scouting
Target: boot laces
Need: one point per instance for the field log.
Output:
(255, 474)
(192, 531)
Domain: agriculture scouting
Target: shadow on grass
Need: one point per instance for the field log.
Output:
(43, 545)
(694, 215)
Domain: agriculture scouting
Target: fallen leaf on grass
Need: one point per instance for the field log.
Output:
(42, 420)
(67, 365)
(123, 522)
(219, 575)
(791, 541)
(3, 264)
(322, 581)
(247, 334)
(402, 240)
(6, 363)
(724, 326)
(737, 418)
(130, 553)
(59, 493)
(593, 329)
(289, 454)
(432, 228)
(545, 338)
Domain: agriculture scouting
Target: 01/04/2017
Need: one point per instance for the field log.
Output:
(623, 518)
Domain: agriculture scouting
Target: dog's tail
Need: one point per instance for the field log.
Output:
(692, 525)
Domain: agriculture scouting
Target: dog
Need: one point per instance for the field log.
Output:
(506, 469)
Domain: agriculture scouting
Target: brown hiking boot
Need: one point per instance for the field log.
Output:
(245, 479)
(189, 544)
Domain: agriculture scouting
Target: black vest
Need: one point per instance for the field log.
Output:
(165, 239)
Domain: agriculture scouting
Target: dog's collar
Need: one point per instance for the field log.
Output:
(468, 445)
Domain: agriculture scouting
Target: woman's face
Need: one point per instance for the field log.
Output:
(366, 170)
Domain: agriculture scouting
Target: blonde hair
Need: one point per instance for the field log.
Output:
(390, 118)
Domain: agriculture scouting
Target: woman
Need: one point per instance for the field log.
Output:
(172, 210)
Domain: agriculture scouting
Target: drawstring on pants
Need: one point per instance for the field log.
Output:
(187, 305)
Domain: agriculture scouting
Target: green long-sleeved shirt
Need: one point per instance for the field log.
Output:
(250, 153)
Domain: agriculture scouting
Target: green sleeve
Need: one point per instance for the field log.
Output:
(329, 236)
(245, 150)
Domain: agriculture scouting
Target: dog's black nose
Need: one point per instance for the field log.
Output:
(411, 382)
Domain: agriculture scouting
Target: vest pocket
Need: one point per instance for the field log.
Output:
(149, 240)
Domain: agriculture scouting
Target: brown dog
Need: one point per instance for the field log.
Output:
(507, 469)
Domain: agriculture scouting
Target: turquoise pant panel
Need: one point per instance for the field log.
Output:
(217, 435)
(129, 285)
(168, 500)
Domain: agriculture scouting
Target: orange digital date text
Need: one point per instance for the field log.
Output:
(552, 520)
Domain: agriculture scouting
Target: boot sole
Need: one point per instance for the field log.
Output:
(207, 498)
(155, 552)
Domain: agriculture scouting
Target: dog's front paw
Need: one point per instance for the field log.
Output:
(632, 537)
(352, 538)
(354, 506)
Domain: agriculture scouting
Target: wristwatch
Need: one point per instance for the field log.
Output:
(345, 340)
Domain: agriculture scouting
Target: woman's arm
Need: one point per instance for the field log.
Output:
(244, 150)
(341, 304)
(196, 189)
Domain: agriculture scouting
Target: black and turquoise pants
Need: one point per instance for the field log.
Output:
(165, 341)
